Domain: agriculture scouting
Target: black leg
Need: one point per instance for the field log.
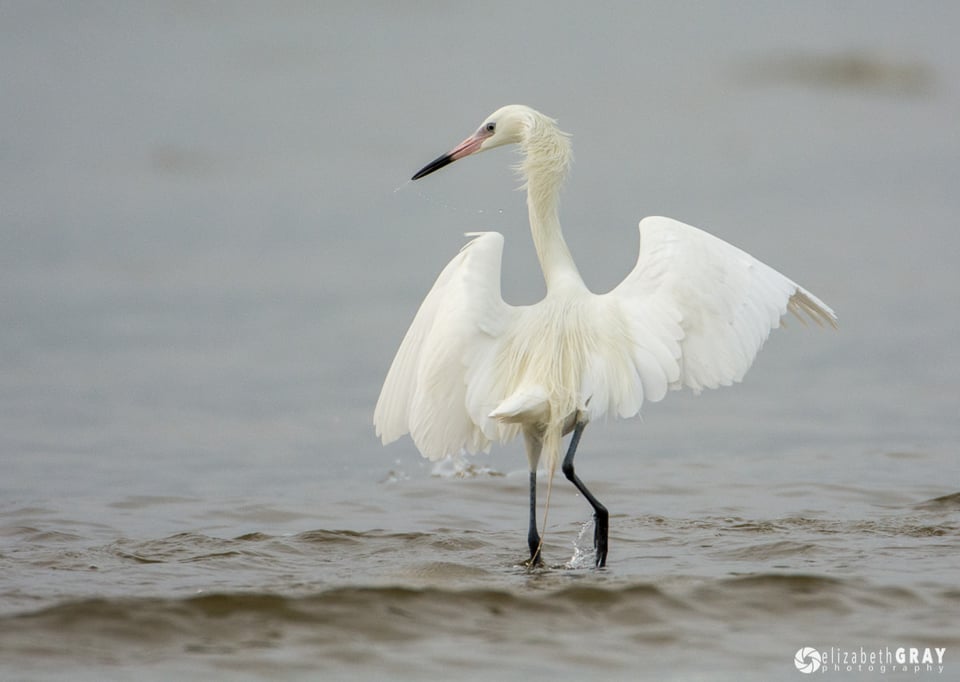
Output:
(533, 537)
(601, 517)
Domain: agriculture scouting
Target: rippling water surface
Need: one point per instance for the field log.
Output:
(718, 596)
(209, 255)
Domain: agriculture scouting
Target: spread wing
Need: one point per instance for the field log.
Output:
(705, 302)
(450, 344)
(693, 312)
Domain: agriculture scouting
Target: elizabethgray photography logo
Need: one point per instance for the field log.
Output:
(882, 660)
(808, 660)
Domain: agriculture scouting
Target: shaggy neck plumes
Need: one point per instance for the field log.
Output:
(546, 160)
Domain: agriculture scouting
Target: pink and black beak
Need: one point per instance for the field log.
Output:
(465, 148)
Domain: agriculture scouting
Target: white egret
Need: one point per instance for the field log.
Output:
(472, 369)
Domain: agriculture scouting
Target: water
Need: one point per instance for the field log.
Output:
(205, 270)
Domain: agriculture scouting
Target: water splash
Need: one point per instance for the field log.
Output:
(458, 466)
(583, 558)
(450, 208)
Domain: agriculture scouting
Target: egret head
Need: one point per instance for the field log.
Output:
(506, 125)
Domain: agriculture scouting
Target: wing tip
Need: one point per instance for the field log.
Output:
(805, 306)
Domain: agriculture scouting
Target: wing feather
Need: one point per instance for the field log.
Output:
(445, 352)
(694, 312)
(706, 303)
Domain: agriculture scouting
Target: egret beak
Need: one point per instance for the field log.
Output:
(465, 148)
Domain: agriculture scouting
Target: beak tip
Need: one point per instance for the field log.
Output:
(434, 165)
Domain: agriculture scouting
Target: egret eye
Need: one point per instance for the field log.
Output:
(490, 127)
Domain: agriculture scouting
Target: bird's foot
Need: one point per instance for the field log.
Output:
(535, 561)
(533, 542)
(601, 520)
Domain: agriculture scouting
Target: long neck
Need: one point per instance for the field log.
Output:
(546, 160)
